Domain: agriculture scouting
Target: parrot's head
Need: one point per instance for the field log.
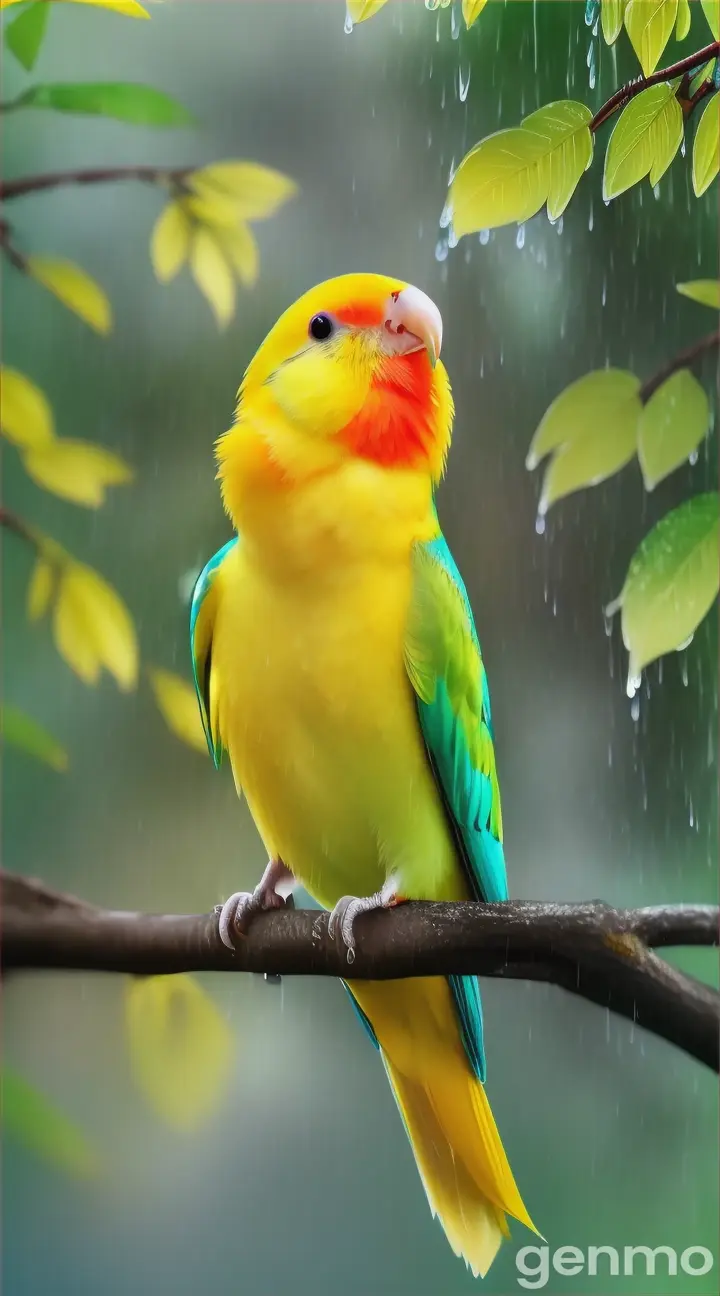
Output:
(351, 370)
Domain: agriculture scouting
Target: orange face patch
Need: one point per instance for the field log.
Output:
(361, 315)
(396, 426)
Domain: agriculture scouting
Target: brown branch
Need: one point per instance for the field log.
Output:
(628, 92)
(682, 360)
(11, 522)
(96, 175)
(592, 950)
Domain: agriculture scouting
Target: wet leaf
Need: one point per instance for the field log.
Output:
(471, 10)
(711, 9)
(360, 10)
(242, 251)
(257, 191)
(124, 101)
(212, 275)
(180, 1048)
(40, 589)
(25, 415)
(682, 25)
(34, 1121)
(128, 7)
(649, 24)
(509, 175)
(672, 424)
(590, 460)
(21, 731)
(76, 470)
(706, 148)
(177, 701)
(587, 408)
(93, 628)
(74, 288)
(170, 242)
(704, 291)
(645, 140)
(612, 13)
(24, 35)
(672, 582)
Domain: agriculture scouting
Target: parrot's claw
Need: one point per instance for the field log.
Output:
(235, 915)
(348, 908)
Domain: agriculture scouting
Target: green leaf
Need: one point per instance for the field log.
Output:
(19, 730)
(649, 25)
(672, 424)
(508, 176)
(704, 291)
(645, 140)
(671, 584)
(612, 13)
(591, 460)
(124, 101)
(712, 13)
(29, 1117)
(682, 25)
(706, 149)
(24, 36)
(586, 408)
(705, 73)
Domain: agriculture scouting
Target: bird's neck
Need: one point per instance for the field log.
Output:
(329, 509)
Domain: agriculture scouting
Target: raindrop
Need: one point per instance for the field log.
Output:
(591, 216)
(559, 225)
(441, 249)
(463, 86)
(446, 215)
(590, 12)
(682, 147)
(593, 75)
(633, 684)
(596, 24)
(684, 672)
(454, 23)
(604, 290)
(348, 23)
(520, 237)
(693, 458)
(484, 237)
(432, 4)
(635, 708)
(540, 524)
(452, 238)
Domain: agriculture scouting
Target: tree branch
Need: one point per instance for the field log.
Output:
(628, 92)
(591, 950)
(95, 175)
(682, 360)
(12, 522)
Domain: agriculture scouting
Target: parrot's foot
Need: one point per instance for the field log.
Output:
(348, 908)
(235, 915)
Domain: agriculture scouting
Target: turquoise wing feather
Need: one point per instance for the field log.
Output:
(446, 670)
(203, 610)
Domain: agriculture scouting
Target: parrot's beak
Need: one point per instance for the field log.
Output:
(413, 323)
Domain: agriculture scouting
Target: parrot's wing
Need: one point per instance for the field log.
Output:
(203, 610)
(446, 670)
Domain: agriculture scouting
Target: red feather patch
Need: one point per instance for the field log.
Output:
(396, 426)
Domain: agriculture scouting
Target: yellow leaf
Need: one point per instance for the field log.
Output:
(673, 422)
(360, 10)
(471, 10)
(587, 408)
(612, 13)
(180, 1048)
(25, 415)
(509, 175)
(74, 288)
(649, 25)
(645, 140)
(589, 461)
(706, 149)
(93, 628)
(40, 589)
(76, 470)
(711, 9)
(129, 7)
(704, 291)
(215, 210)
(256, 191)
(177, 700)
(242, 251)
(212, 275)
(170, 242)
(682, 26)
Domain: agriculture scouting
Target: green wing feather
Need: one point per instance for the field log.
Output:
(203, 610)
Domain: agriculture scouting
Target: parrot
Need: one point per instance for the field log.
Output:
(338, 667)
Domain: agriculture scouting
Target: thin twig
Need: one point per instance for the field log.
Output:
(591, 950)
(11, 522)
(684, 359)
(96, 175)
(628, 92)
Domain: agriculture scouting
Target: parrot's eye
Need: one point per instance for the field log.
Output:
(321, 327)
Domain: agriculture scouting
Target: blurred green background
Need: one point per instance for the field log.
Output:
(302, 1182)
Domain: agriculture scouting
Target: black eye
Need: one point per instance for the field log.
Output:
(321, 326)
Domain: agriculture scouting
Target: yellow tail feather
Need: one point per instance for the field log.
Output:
(457, 1148)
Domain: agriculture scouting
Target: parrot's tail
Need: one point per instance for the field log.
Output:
(457, 1148)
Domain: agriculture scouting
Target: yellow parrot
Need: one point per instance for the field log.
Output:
(337, 664)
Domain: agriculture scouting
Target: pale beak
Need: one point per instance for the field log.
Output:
(413, 323)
